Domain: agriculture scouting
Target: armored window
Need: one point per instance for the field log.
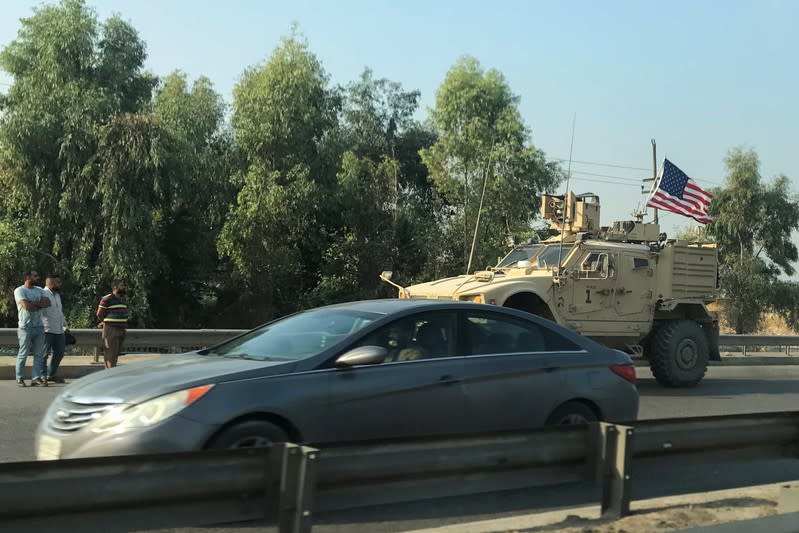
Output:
(640, 262)
(595, 266)
(593, 263)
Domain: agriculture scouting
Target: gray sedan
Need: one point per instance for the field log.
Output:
(381, 369)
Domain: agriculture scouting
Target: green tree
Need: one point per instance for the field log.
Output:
(189, 291)
(283, 111)
(71, 76)
(382, 212)
(752, 224)
(361, 235)
(138, 183)
(482, 141)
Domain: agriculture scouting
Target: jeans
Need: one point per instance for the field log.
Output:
(30, 340)
(54, 343)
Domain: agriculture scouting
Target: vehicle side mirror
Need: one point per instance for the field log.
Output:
(363, 355)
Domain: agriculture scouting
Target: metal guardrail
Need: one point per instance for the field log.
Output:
(384, 473)
(143, 340)
(129, 493)
(157, 338)
(202, 338)
(746, 341)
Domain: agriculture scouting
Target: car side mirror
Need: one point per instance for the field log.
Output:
(363, 355)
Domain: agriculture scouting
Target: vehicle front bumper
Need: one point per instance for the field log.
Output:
(175, 434)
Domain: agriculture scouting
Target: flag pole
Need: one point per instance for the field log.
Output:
(655, 171)
(653, 179)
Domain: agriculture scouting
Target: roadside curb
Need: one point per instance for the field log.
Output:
(588, 516)
(66, 371)
(72, 366)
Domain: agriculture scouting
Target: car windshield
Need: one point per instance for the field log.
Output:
(520, 253)
(297, 336)
(548, 256)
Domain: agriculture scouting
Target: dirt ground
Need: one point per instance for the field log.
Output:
(673, 517)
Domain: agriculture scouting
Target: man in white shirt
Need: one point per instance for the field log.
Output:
(55, 329)
(30, 331)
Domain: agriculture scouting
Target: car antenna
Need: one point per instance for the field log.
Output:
(566, 197)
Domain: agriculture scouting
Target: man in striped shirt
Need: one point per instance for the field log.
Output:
(113, 316)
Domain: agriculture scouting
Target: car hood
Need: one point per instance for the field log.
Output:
(140, 381)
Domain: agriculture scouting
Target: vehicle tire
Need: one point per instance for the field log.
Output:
(571, 413)
(250, 434)
(678, 354)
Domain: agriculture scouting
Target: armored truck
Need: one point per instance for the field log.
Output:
(626, 286)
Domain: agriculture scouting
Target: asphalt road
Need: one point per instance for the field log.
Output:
(725, 390)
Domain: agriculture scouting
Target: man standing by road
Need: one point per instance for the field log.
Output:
(30, 332)
(55, 329)
(113, 315)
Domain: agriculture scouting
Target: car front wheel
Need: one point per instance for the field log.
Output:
(250, 434)
(572, 413)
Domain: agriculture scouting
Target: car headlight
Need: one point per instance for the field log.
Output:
(145, 414)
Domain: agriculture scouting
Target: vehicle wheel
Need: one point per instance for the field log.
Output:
(252, 434)
(572, 413)
(678, 354)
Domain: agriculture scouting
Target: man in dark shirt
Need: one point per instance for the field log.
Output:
(113, 316)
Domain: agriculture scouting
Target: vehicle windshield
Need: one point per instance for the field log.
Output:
(548, 256)
(519, 253)
(297, 336)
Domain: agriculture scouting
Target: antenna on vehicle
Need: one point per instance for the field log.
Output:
(565, 206)
(480, 208)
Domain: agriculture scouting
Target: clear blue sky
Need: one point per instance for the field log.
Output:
(699, 77)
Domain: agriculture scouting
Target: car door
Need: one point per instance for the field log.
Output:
(511, 374)
(416, 391)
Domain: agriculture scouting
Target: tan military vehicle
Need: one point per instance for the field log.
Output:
(625, 286)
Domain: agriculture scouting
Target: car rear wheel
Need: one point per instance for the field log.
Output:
(572, 413)
(250, 434)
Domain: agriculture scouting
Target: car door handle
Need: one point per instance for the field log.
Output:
(448, 380)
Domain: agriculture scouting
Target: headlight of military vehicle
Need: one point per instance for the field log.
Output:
(474, 298)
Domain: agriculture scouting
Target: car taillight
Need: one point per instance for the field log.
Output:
(625, 371)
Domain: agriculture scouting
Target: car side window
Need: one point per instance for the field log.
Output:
(490, 333)
(420, 336)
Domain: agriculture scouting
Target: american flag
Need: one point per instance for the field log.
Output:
(678, 193)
